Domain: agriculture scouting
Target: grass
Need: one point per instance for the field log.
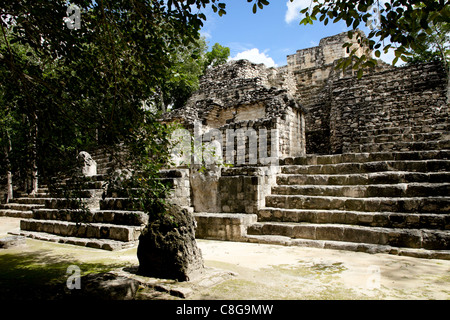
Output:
(42, 274)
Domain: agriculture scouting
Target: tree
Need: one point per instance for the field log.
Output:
(19, 116)
(5, 141)
(189, 63)
(432, 45)
(82, 87)
(217, 56)
(394, 24)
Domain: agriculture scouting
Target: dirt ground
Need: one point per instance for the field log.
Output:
(268, 272)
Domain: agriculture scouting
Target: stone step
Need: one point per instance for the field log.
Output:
(21, 206)
(366, 157)
(105, 157)
(223, 226)
(72, 203)
(117, 204)
(371, 219)
(369, 167)
(67, 180)
(16, 213)
(408, 238)
(104, 170)
(349, 246)
(30, 200)
(88, 184)
(102, 159)
(405, 146)
(409, 137)
(367, 191)
(398, 118)
(106, 152)
(105, 244)
(83, 230)
(99, 177)
(36, 195)
(130, 218)
(384, 177)
(436, 205)
(40, 194)
(438, 128)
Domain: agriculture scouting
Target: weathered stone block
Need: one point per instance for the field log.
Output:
(167, 247)
(329, 233)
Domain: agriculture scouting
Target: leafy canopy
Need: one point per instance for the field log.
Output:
(89, 86)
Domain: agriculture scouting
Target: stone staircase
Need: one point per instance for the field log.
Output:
(62, 220)
(22, 206)
(112, 222)
(409, 130)
(390, 202)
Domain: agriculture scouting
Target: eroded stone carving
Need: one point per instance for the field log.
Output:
(167, 247)
(88, 165)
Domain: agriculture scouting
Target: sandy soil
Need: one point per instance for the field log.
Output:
(261, 271)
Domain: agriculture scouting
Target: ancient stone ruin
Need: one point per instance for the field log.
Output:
(167, 247)
(87, 164)
(296, 155)
(363, 163)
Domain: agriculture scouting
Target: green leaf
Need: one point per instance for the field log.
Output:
(303, 11)
(360, 73)
(394, 62)
(346, 63)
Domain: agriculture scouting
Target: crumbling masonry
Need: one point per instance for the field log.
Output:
(307, 155)
(363, 163)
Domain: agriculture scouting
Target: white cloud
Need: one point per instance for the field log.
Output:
(206, 34)
(293, 9)
(387, 57)
(253, 55)
(390, 56)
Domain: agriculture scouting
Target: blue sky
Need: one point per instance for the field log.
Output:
(269, 35)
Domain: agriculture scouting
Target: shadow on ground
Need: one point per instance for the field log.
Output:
(40, 275)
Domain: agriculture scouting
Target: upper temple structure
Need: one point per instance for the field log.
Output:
(315, 107)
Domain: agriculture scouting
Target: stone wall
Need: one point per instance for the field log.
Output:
(313, 70)
(395, 110)
(323, 55)
(388, 109)
(179, 181)
(231, 190)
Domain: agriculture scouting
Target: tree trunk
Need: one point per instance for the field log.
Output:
(34, 167)
(9, 180)
(161, 100)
